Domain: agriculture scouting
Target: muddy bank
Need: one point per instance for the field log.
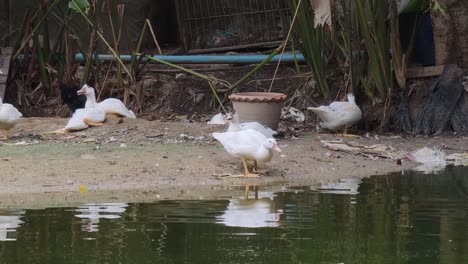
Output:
(139, 160)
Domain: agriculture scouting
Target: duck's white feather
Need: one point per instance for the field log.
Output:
(266, 131)
(245, 144)
(9, 116)
(76, 121)
(338, 114)
(234, 125)
(115, 106)
(234, 139)
(94, 115)
(109, 105)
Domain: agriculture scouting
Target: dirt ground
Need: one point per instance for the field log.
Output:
(139, 160)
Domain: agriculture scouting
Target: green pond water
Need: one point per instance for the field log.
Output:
(410, 218)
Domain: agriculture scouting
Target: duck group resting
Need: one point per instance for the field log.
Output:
(94, 113)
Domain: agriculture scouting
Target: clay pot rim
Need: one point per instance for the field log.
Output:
(258, 97)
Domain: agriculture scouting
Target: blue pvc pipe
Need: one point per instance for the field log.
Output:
(205, 59)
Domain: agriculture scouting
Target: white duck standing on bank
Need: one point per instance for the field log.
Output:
(339, 115)
(9, 117)
(110, 106)
(234, 125)
(247, 145)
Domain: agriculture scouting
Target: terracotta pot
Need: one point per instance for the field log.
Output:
(262, 107)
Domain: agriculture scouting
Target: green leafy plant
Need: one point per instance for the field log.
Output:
(314, 43)
(43, 62)
(373, 15)
(79, 5)
(399, 59)
(350, 39)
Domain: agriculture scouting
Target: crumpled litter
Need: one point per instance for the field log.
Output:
(430, 160)
(292, 114)
(371, 151)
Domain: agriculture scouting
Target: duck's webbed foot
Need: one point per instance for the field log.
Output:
(345, 133)
(6, 136)
(246, 170)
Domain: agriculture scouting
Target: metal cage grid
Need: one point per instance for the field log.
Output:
(216, 25)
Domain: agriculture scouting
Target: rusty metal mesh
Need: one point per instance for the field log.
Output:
(214, 24)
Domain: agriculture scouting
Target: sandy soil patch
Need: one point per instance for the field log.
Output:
(140, 160)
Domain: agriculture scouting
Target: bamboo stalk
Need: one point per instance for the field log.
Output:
(92, 41)
(255, 69)
(107, 44)
(26, 40)
(285, 42)
(312, 44)
(203, 76)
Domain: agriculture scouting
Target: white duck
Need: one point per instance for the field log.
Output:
(248, 145)
(234, 125)
(85, 117)
(339, 114)
(82, 119)
(76, 122)
(109, 105)
(9, 117)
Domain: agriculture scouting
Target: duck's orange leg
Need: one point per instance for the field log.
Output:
(254, 168)
(89, 123)
(246, 170)
(6, 136)
(345, 133)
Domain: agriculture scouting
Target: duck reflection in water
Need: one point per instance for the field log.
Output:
(91, 214)
(252, 212)
(9, 222)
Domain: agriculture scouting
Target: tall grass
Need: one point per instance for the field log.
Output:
(373, 15)
(314, 43)
(42, 62)
(349, 41)
(366, 34)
